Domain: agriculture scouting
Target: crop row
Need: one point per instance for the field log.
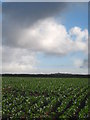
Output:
(53, 98)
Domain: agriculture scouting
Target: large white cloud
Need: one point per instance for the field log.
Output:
(50, 37)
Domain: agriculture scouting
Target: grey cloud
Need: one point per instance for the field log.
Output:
(18, 16)
(27, 13)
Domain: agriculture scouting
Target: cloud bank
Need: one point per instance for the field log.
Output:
(49, 37)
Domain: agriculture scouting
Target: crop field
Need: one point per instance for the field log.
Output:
(50, 98)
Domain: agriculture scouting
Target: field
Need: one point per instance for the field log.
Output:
(50, 98)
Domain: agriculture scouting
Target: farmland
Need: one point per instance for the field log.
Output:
(51, 98)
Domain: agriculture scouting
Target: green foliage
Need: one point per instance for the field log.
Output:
(53, 98)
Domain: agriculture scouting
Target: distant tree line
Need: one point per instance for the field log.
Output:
(55, 75)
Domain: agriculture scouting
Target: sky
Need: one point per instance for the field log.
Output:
(45, 37)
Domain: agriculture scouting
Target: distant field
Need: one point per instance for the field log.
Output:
(53, 98)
